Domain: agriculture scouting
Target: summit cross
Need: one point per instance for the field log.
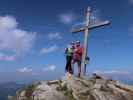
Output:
(88, 26)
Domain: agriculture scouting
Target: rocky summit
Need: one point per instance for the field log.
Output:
(94, 88)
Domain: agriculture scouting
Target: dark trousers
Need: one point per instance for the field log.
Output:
(79, 65)
(68, 64)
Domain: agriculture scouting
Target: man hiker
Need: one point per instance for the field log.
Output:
(77, 56)
(69, 55)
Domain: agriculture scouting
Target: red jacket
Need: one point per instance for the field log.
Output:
(78, 53)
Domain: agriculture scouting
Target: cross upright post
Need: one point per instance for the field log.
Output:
(86, 29)
(85, 41)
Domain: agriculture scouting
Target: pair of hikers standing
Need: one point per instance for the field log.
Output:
(73, 55)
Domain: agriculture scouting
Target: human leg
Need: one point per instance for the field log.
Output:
(79, 68)
(67, 64)
(70, 65)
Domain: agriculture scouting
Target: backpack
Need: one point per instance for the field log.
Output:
(69, 51)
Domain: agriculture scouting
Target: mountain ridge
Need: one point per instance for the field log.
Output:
(94, 88)
(9, 88)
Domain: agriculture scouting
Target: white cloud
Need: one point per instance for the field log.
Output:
(67, 18)
(49, 50)
(112, 72)
(95, 17)
(54, 36)
(25, 70)
(13, 39)
(131, 1)
(130, 31)
(8, 22)
(4, 57)
(50, 68)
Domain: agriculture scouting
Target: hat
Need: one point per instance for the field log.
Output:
(72, 43)
(78, 42)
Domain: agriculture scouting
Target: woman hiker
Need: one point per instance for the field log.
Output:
(69, 55)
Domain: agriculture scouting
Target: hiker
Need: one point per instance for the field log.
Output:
(69, 56)
(77, 56)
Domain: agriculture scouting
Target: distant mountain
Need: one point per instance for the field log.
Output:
(124, 77)
(9, 88)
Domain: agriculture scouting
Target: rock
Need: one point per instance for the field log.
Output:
(95, 88)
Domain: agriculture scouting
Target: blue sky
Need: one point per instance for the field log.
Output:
(34, 33)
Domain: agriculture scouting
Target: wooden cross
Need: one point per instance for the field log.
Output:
(86, 29)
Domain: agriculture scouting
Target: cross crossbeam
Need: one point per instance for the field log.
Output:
(90, 27)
